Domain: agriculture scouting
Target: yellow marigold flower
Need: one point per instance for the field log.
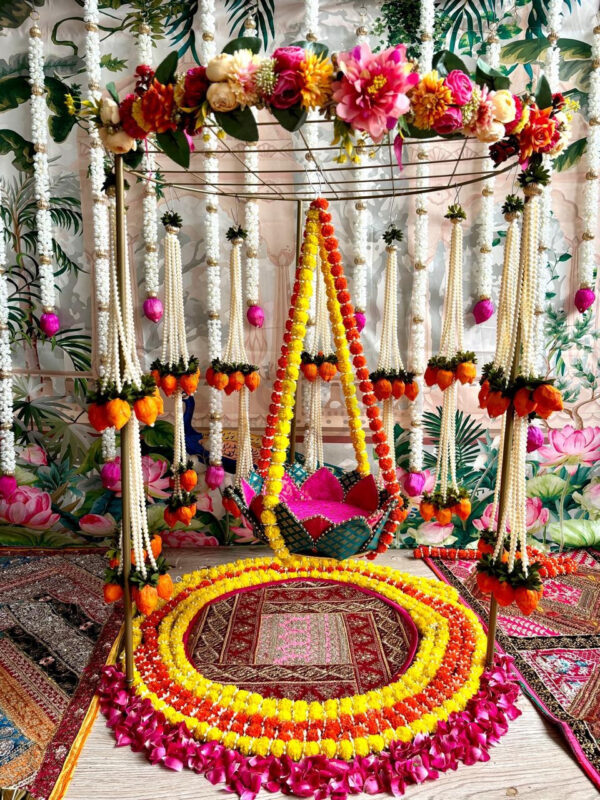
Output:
(277, 748)
(294, 749)
(316, 71)
(429, 100)
(328, 747)
(345, 749)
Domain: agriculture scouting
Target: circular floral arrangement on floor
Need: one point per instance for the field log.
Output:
(420, 722)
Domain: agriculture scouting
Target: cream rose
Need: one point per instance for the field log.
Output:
(118, 142)
(109, 111)
(504, 106)
(221, 97)
(219, 68)
(491, 133)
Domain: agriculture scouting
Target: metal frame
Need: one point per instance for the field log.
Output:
(321, 176)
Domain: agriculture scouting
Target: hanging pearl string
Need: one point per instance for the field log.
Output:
(311, 20)
(39, 135)
(99, 208)
(134, 479)
(486, 216)
(174, 344)
(591, 189)
(252, 226)
(509, 299)
(390, 359)
(320, 340)
(7, 438)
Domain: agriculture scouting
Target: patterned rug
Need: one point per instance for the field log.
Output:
(556, 649)
(56, 633)
(306, 640)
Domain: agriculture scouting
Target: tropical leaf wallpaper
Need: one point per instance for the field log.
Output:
(65, 500)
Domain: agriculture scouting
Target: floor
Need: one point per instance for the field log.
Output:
(532, 762)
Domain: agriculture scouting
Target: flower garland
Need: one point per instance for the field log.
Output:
(319, 239)
(49, 322)
(484, 306)
(311, 20)
(255, 313)
(390, 380)
(176, 373)
(443, 676)
(414, 480)
(8, 482)
(99, 209)
(585, 294)
(453, 365)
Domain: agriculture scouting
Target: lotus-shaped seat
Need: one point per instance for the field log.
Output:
(328, 513)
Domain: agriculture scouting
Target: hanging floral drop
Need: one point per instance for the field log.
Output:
(585, 294)
(49, 322)
(123, 398)
(255, 313)
(452, 366)
(177, 374)
(390, 380)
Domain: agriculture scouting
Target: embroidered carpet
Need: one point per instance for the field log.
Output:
(56, 633)
(306, 640)
(556, 649)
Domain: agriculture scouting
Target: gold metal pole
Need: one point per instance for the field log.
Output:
(299, 230)
(121, 245)
(506, 455)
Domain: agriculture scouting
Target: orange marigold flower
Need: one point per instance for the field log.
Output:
(429, 100)
(154, 110)
(538, 133)
(316, 71)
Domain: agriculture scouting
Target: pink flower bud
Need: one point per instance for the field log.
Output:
(535, 438)
(153, 309)
(8, 484)
(49, 324)
(256, 316)
(413, 483)
(584, 298)
(483, 310)
(361, 320)
(215, 475)
(110, 474)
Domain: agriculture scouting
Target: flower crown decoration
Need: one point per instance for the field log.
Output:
(364, 94)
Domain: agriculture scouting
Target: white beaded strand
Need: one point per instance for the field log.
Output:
(7, 439)
(39, 135)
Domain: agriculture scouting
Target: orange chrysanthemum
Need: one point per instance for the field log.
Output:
(154, 110)
(537, 135)
(429, 100)
(317, 72)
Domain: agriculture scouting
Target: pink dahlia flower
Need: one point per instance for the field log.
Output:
(568, 447)
(371, 94)
(29, 506)
(537, 517)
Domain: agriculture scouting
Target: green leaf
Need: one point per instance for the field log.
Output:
(112, 63)
(60, 127)
(576, 532)
(547, 487)
(112, 90)
(490, 77)
(243, 43)
(165, 72)
(134, 157)
(93, 457)
(13, 13)
(574, 49)
(23, 151)
(239, 123)
(543, 93)
(525, 51)
(316, 47)
(175, 145)
(161, 435)
(292, 119)
(508, 31)
(445, 61)
(14, 91)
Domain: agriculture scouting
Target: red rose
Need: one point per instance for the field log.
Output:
(195, 87)
(288, 58)
(130, 126)
(145, 76)
(287, 91)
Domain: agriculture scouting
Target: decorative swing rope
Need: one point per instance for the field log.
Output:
(360, 245)
(450, 367)
(585, 294)
(414, 481)
(484, 306)
(276, 439)
(7, 439)
(255, 314)
(99, 207)
(311, 20)
(49, 322)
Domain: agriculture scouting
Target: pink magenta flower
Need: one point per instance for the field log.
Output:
(568, 447)
(288, 89)
(288, 58)
(97, 524)
(432, 533)
(155, 481)
(460, 85)
(35, 455)
(29, 506)
(371, 95)
(428, 485)
(188, 538)
(537, 517)
(450, 121)
(204, 502)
